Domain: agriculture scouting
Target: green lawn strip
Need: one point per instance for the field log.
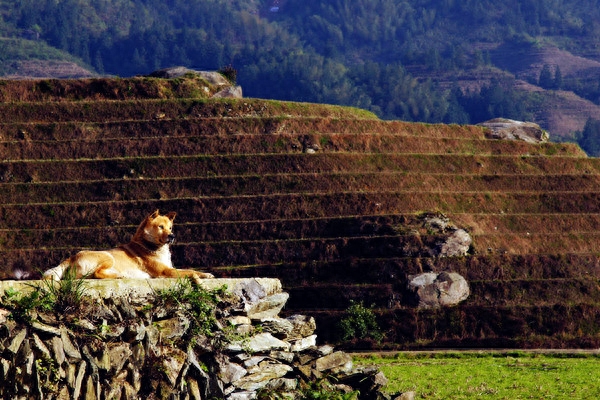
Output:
(504, 375)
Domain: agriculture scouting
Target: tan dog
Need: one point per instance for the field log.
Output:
(146, 256)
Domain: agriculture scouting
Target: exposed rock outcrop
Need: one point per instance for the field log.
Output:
(452, 242)
(433, 290)
(128, 346)
(508, 129)
(224, 88)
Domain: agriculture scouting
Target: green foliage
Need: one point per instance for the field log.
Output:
(340, 52)
(498, 375)
(590, 137)
(360, 322)
(546, 79)
(198, 304)
(63, 297)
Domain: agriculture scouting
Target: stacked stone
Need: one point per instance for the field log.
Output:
(125, 349)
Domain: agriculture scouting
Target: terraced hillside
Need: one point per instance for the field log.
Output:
(328, 199)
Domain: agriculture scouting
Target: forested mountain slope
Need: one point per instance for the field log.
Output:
(418, 60)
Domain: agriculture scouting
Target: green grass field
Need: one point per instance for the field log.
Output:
(491, 375)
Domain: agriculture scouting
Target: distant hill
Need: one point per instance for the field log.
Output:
(429, 61)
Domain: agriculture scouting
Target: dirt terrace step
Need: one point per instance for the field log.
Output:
(252, 144)
(475, 224)
(519, 293)
(473, 267)
(528, 326)
(390, 255)
(137, 110)
(281, 229)
(295, 206)
(309, 127)
(97, 89)
(290, 183)
(213, 231)
(51, 170)
(214, 254)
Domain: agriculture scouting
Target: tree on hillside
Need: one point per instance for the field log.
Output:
(546, 79)
(590, 137)
(558, 82)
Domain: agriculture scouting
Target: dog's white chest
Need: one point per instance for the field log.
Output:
(164, 256)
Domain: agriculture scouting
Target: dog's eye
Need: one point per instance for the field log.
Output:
(161, 227)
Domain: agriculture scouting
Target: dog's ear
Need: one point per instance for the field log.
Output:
(155, 214)
(171, 215)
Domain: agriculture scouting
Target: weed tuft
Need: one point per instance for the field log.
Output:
(198, 304)
(63, 298)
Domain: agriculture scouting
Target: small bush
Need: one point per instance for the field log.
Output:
(230, 73)
(360, 323)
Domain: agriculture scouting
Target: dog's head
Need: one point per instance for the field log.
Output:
(158, 229)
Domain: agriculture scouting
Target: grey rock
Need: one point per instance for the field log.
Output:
(135, 331)
(171, 72)
(250, 291)
(5, 365)
(230, 372)
(336, 362)
(282, 384)
(433, 290)
(406, 396)
(268, 307)
(118, 355)
(125, 307)
(16, 341)
(457, 244)
(324, 350)
(70, 350)
(242, 395)
(278, 327)
(173, 327)
(283, 356)
(303, 326)
(58, 355)
(508, 129)
(238, 320)
(4, 315)
(102, 361)
(79, 379)
(38, 326)
(262, 342)
(303, 344)
(115, 389)
(253, 361)
(232, 92)
(86, 324)
(172, 362)
(37, 342)
(263, 376)
(193, 389)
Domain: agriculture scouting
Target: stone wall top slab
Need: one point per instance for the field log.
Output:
(134, 288)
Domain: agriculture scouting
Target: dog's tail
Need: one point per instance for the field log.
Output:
(57, 272)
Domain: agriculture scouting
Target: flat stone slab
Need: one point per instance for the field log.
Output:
(140, 288)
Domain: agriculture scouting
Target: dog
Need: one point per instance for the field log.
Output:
(147, 255)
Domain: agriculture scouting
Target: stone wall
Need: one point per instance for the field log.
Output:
(123, 343)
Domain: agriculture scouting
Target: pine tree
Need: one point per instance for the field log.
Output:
(590, 137)
(557, 78)
(546, 80)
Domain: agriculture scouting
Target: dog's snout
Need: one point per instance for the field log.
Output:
(171, 238)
